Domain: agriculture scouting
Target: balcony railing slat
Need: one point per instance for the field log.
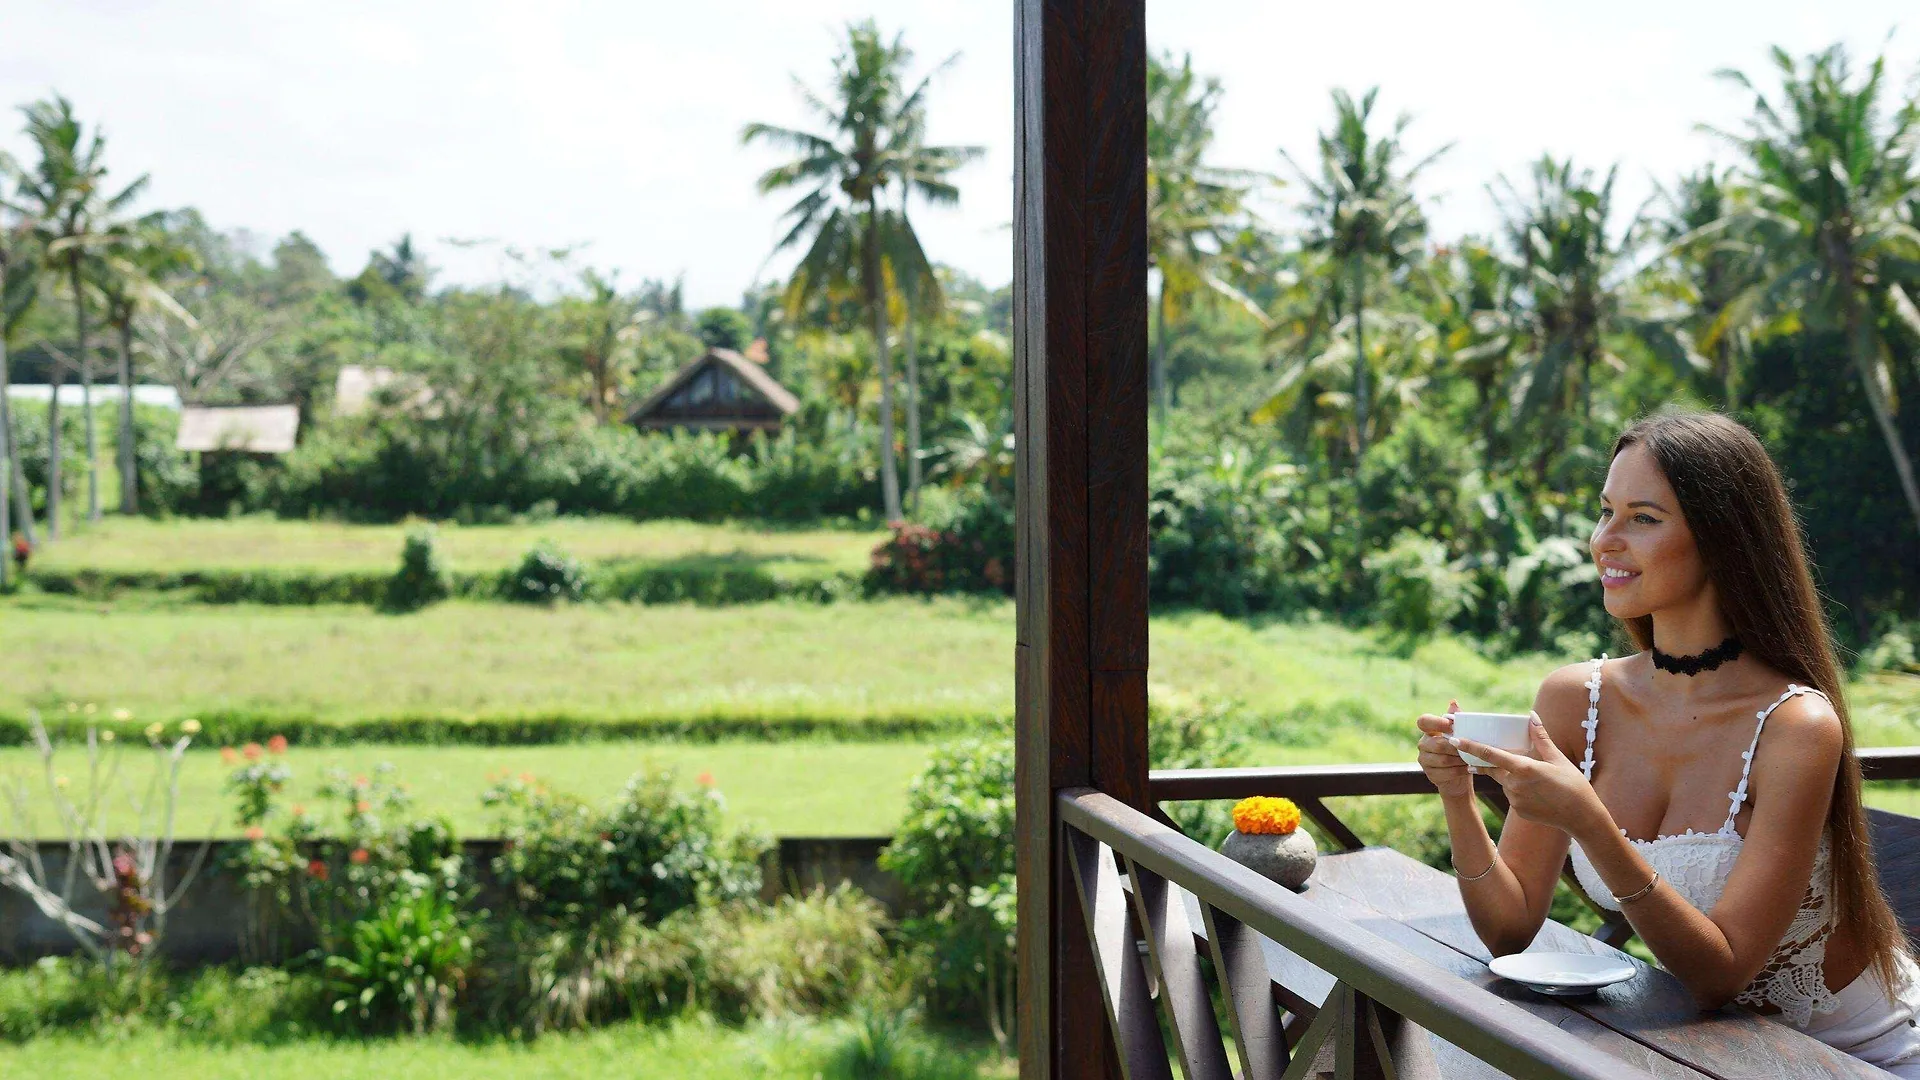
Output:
(1328, 820)
(1248, 987)
(1183, 988)
(1478, 1022)
(1123, 979)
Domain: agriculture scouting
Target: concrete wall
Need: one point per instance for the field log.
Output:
(206, 925)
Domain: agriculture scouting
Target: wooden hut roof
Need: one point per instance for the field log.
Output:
(258, 429)
(748, 372)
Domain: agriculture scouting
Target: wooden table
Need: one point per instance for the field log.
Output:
(1649, 1022)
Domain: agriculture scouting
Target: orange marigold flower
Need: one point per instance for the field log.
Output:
(1262, 815)
(251, 751)
(255, 832)
(229, 756)
(317, 870)
(277, 744)
(360, 857)
(299, 811)
(362, 806)
(705, 779)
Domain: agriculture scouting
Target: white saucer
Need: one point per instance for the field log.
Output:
(1561, 972)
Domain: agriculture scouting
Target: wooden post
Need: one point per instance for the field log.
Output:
(1080, 409)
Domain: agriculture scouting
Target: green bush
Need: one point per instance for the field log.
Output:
(953, 855)
(1893, 651)
(72, 994)
(655, 850)
(1417, 590)
(808, 954)
(546, 575)
(421, 579)
(963, 543)
(404, 963)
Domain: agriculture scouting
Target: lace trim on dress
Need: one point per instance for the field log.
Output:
(1697, 864)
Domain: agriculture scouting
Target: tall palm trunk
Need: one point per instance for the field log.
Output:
(129, 463)
(85, 360)
(1158, 375)
(877, 311)
(1861, 345)
(22, 499)
(6, 471)
(1360, 357)
(913, 411)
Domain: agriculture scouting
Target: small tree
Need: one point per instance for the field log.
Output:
(421, 579)
(129, 874)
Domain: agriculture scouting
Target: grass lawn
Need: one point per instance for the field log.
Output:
(126, 545)
(851, 661)
(775, 787)
(685, 1050)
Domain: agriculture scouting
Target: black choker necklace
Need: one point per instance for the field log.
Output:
(1699, 662)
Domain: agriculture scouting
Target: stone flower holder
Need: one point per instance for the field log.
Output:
(1268, 840)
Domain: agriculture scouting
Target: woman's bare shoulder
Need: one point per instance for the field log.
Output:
(1562, 703)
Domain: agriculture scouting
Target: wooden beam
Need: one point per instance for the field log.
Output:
(1080, 416)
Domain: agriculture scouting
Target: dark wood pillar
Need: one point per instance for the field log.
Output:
(1080, 406)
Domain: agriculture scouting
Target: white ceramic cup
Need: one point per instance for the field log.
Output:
(1508, 731)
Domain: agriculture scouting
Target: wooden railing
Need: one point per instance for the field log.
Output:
(1381, 994)
(1155, 902)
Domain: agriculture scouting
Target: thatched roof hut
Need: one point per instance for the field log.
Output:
(256, 429)
(721, 391)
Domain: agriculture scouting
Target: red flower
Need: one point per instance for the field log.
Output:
(228, 756)
(360, 857)
(251, 751)
(255, 832)
(317, 870)
(277, 744)
(705, 779)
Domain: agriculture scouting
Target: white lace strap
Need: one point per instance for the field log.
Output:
(1739, 794)
(1592, 722)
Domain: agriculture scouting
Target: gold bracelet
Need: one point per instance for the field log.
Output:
(1490, 865)
(1637, 893)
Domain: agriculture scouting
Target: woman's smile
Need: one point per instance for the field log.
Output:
(1617, 577)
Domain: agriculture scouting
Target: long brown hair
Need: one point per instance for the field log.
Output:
(1744, 526)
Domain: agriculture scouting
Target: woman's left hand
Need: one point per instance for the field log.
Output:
(1546, 788)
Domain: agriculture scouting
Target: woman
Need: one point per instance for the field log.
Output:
(1716, 799)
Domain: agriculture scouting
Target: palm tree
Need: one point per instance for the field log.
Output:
(1193, 209)
(1827, 192)
(1711, 270)
(921, 167)
(600, 323)
(65, 193)
(855, 240)
(129, 273)
(1571, 277)
(1360, 208)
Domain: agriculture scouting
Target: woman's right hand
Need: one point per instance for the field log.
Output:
(1439, 759)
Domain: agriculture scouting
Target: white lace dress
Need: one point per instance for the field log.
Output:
(1864, 1018)
(1698, 864)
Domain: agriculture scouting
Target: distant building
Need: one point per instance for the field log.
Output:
(356, 387)
(721, 391)
(257, 429)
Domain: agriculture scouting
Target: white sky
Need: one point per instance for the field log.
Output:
(617, 123)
